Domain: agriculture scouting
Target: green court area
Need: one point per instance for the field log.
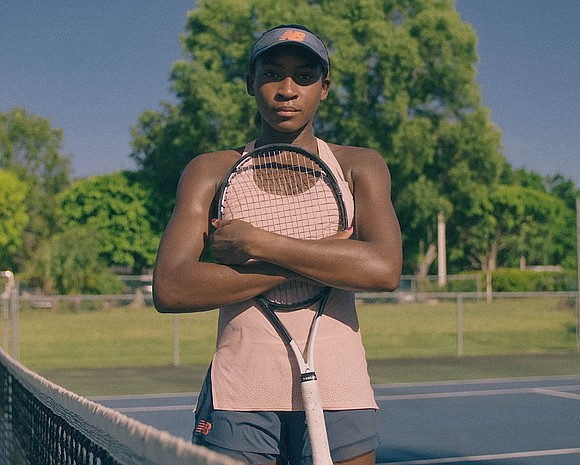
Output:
(122, 350)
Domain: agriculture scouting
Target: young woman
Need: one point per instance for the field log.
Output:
(250, 406)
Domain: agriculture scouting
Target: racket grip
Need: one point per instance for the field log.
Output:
(315, 419)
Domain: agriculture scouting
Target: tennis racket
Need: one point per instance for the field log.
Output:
(289, 191)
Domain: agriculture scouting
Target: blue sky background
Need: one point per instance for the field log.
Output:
(93, 67)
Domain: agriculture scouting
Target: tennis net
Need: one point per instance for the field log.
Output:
(42, 423)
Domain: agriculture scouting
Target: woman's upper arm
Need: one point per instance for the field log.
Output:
(375, 219)
(184, 238)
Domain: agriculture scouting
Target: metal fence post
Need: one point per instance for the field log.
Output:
(459, 326)
(176, 355)
(578, 274)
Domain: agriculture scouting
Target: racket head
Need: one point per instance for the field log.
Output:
(287, 190)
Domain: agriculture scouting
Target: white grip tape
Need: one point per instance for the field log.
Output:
(315, 419)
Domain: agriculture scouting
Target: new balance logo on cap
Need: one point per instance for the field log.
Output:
(293, 35)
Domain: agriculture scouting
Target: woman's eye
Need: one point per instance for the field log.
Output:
(306, 78)
(271, 74)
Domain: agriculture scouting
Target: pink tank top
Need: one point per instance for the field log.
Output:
(252, 369)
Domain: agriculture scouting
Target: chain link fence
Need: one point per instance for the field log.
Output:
(416, 320)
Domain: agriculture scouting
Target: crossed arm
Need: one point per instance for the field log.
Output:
(365, 258)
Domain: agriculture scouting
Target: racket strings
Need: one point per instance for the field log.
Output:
(286, 193)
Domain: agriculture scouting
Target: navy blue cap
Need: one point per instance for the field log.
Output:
(288, 35)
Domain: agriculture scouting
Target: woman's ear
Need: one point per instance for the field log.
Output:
(250, 84)
(325, 88)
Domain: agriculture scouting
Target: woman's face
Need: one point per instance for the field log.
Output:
(288, 85)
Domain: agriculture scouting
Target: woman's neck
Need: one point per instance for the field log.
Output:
(304, 138)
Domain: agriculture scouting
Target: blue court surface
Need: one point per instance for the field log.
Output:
(528, 421)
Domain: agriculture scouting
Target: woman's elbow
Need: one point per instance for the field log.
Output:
(387, 278)
(162, 300)
(167, 299)
(391, 283)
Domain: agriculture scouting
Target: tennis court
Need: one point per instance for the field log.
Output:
(528, 421)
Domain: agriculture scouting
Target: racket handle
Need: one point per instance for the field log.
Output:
(315, 419)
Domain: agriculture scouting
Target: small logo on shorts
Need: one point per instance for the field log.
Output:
(203, 427)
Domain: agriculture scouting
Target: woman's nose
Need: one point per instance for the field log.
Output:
(287, 88)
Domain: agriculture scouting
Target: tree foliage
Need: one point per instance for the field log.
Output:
(403, 82)
(30, 148)
(13, 217)
(115, 206)
(69, 263)
(403, 74)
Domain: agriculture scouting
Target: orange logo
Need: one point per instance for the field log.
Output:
(203, 427)
(294, 36)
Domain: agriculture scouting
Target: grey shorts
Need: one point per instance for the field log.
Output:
(262, 437)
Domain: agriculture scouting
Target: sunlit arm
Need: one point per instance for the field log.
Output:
(181, 281)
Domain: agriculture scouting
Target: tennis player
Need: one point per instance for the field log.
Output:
(249, 406)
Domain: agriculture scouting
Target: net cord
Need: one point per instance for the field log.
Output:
(129, 441)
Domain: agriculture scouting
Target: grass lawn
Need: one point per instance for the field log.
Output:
(130, 350)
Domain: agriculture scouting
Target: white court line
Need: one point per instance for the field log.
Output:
(482, 458)
(155, 408)
(555, 393)
(467, 382)
(550, 390)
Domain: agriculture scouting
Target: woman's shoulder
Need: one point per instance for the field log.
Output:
(212, 162)
(210, 168)
(352, 158)
(357, 154)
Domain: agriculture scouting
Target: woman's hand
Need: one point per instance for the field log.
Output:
(231, 241)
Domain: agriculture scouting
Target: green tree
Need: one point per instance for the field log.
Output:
(563, 188)
(115, 206)
(13, 217)
(417, 203)
(403, 74)
(468, 168)
(30, 148)
(531, 224)
(69, 263)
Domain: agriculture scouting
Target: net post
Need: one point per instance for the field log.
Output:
(8, 300)
(5, 323)
(15, 319)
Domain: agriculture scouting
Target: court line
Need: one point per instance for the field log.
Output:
(467, 382)
(551, 390)
(483, 458)
(154, 408)
(555, 393)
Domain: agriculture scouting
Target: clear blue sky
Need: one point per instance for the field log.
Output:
(93, 67)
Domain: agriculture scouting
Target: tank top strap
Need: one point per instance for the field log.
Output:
(324, 153)
(328, 157)
(249, 147)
